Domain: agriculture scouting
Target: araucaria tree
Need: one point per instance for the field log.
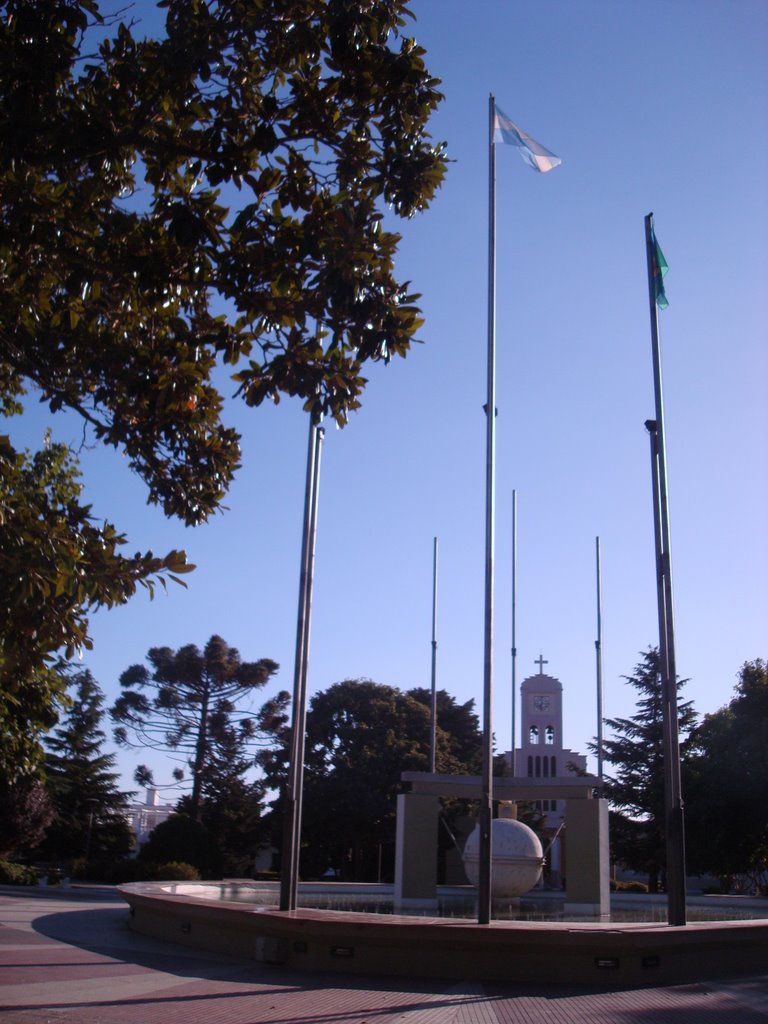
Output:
(214, 195)
(89, 808)
(191, 704)
(634, 784)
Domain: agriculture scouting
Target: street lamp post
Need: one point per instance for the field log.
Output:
(92, 803)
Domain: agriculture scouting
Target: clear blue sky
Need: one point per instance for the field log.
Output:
(652, 106)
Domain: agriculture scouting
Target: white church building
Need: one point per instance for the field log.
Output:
(143, 818)
(542, 754)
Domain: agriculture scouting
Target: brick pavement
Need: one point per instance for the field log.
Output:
(71, 960)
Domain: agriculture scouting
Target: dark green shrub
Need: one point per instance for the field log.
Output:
(170, 871)
(16, 874)
(110, 872)
(182, 839)
(103, 871)
(176, 871)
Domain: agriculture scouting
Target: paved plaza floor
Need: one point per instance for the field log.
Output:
(69, 958)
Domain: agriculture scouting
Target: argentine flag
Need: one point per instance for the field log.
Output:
(534, 154)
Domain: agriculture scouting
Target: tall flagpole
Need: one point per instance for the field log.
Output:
(289, 872)
(486, 804)
(433, 703)
(675, 831)
(514, 630)
(599, 664)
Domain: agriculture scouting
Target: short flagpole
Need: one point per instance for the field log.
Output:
(514, 630)
(433, 701)
(599, 664)
(486, 804)
(675, 829)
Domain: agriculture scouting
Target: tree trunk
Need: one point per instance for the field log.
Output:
(201, 751)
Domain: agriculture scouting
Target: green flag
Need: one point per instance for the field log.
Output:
(660, 269)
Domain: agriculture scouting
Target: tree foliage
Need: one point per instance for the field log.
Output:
(361, 736)
(192, 704)
(56, 562)
(89, 808)
(459, 749)
(239, 163)
(232, 805)
(213, 196)
(181, 839)
(727, 801)
(25, 813)
(635, 787)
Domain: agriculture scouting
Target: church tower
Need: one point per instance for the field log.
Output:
(541, 753)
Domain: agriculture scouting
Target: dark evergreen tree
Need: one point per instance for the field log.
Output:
(25, 813)
(635, 787)
(462, 751)
(190, 705)
(90, 810)
(361, 736)
(232, 804)
(727, 798)
(183, 840)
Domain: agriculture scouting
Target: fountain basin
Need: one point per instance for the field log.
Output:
(588, 953)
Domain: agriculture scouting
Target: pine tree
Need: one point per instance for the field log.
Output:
(636, 787)
(89, 809)
(232, 805)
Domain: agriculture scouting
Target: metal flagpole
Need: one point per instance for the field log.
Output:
(486, 804)
(433, 705)
(675, 831)
(514, 630)
(651, 427)
(599, 665)
(289, 873)
(319, 435)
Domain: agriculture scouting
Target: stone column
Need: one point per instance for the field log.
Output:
(587, 881)
(416, 851)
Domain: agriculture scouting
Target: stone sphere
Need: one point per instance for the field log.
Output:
(517, 857)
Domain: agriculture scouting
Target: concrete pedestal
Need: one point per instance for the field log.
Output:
(586, 858)
(587, 869)
(416, 851)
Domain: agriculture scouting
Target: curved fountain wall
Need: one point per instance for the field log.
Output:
(597, 954)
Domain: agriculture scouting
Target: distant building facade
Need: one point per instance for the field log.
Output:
(143, 818)
(541, 753)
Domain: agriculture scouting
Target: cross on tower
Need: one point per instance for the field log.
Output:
(541, 662)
